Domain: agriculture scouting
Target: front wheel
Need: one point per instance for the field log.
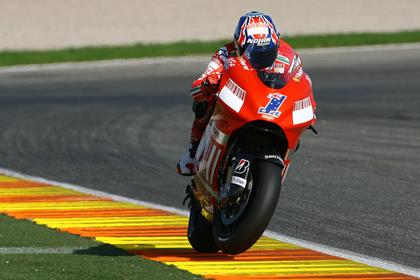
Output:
(237, 227)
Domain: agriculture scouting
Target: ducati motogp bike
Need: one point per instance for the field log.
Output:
(244, 154)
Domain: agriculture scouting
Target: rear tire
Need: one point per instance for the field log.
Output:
(247, 229)
(200, 234)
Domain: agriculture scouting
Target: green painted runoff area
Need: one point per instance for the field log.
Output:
(30, 251)
(9, 58)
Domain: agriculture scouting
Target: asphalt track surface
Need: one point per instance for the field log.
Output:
(120, 129)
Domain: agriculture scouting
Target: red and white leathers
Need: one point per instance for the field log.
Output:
(204, 91)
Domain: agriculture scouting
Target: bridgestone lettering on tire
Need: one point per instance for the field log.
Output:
(257, 214)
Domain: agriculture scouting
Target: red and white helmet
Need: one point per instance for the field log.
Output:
(255, 28)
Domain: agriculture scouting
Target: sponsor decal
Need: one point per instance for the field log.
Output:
(242, 166)
(302, 111)
(302, 104)
(238, 181)
(220, 137)
(274, 157)
(298, 75)
(258, 31)
(273, 106)
(278, 67)
(230, 63)
(277, 157)
(267, 117)
(215, 66)
(232, 95)
(295, 64)
(283, 59)
(243, 63)
(259, 42)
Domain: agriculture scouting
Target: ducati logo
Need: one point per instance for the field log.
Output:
(242, 166)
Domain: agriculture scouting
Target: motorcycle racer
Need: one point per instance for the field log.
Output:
(255, 37)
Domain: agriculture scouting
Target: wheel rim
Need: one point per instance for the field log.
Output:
(234, 210)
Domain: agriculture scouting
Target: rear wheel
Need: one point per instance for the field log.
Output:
(200, 234)
(238, 225)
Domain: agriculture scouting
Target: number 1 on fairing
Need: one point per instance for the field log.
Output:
(272, 107)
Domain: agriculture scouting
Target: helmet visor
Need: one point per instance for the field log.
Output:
(261, 56)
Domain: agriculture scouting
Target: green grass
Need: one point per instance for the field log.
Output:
(90, 260)
(8, 58)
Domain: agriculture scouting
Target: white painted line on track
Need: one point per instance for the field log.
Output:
(329, 250)
(187, 59)
(15, 174)
(371, 261)
(39, 250)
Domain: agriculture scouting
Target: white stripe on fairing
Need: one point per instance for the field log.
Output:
(278, 236)
(210, 161)
(203, 143)
(216, 159)
(206, 153)
(207, 150)
(230, 99)
(303, 115)
(39, 251)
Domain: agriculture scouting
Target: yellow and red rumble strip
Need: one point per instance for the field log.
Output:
(161, 236)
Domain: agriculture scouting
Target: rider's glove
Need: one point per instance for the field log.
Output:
(210, 85)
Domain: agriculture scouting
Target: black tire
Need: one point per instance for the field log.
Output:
(200, 234)
(248, 228)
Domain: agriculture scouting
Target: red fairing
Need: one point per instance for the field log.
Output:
(243, 97)
(287, 59)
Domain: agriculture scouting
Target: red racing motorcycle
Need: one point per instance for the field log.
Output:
(244, 155)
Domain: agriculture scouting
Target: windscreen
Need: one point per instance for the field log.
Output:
(273, 80)
(269, 67)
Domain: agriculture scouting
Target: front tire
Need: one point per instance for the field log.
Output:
(237, 237)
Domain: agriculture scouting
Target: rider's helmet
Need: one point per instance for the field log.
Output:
(255, 28)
